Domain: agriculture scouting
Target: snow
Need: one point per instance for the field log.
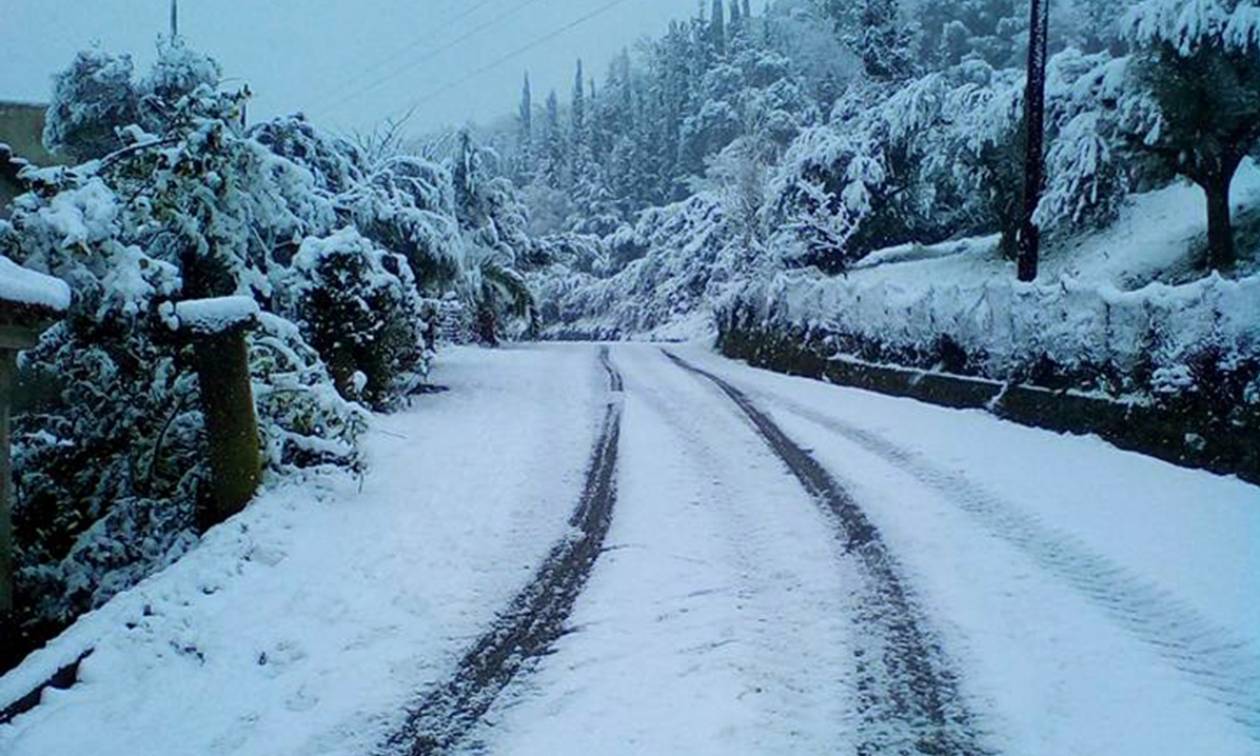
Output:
(1099, 297)
(308, 623)
(216, 315)
(1005, 531)
(1189, 24)
(27, 287)
(1093, 601)
(715, 622)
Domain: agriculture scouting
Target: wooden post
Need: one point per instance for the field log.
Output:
(30, 302)
(8, 376)
(12, 339)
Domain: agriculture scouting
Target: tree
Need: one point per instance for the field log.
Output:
(553, 162)
(875, 31)
(525, 133)
(577, 108)
(717, 28)
(465, 175)
(1034, 139)
(1197, 104)
(91, 99)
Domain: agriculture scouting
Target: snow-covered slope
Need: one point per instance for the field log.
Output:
(691, 264)
(1159, 236)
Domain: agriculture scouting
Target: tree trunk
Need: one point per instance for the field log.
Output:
(1220, 228)
(1034, 122)
(227, 400)
(487, 325)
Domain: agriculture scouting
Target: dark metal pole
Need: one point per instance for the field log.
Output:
(1034, 125)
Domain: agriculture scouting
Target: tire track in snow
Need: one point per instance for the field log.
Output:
(907, 693)
(1224, 668)
(535, 618)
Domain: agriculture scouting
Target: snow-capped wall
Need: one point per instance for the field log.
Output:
(1145, 338)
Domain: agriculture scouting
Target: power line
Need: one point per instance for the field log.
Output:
(509, 56)
(431, 54)
(429, 36)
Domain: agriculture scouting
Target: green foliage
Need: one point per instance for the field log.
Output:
(358, 307)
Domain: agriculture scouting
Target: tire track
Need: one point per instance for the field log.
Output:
(535, 618)
(1223, 666)
(908, 695)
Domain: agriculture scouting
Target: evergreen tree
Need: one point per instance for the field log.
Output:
(525, 134)
(577, 108)
(875, 31)
(464, 177)
(553, 162)
(884, 45)
(717, 28)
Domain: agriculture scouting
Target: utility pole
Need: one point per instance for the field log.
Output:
(1034, 124)
(174, 19)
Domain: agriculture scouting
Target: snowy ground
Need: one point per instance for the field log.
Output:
(1156, 237)
(1090, 601)
(307, 624)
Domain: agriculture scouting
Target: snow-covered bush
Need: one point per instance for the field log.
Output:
(689, 255)
(358, 306)
(1195, 342)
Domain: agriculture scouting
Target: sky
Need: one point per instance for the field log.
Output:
(348, 64)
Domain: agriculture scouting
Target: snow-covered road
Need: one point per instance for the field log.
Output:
(881, 576)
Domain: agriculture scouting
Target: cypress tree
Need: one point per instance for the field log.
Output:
(578, 114)
(525, 133)
(717, 28)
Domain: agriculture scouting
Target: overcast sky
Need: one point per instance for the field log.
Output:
(347, 63)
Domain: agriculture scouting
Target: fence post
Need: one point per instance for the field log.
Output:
(28, 307)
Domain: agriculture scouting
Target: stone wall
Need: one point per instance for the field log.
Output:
(1185, 438)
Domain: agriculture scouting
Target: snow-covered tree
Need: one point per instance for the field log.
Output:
(522, 164)
(91, 99)
(185, 203)
(1196, 107)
